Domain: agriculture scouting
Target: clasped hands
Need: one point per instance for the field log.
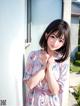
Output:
(46, 60)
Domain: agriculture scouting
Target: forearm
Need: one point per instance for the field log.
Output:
(52, 83)
(35, 79)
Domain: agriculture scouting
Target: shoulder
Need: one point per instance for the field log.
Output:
(65, 65)
(65, 62)
(33, 54)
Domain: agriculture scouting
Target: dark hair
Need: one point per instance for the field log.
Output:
(63, 29)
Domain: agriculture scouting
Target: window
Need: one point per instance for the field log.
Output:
(39, 13)
(28, 17)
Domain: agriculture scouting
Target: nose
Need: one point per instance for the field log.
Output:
(56, 41)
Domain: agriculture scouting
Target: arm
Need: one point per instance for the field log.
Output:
(63, 80)
(52, 83)
(35, 79)
(60, 85)
(30, 79)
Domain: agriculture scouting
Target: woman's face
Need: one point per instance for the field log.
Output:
(55, 43)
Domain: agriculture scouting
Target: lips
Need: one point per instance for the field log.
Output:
(54, 46)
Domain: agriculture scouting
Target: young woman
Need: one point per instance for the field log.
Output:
(46, 70)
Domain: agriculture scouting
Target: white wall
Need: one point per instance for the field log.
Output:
(12, 31)
(74, 34)
(67, 11)
(67, 17)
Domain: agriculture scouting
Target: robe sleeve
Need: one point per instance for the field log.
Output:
(63, 81)
(64, 71)
(29, 66)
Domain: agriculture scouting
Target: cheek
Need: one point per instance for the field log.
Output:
(61, 44)
(48, 41)
(58, 44)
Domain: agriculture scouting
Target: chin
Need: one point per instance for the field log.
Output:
(54, 49)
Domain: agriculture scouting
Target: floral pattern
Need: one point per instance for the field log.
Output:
(40, 95)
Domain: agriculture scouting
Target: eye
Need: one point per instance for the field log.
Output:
(61, 40)
(52, 36)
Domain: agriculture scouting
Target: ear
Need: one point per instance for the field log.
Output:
(46, 35)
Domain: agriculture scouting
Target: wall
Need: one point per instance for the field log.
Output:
(67, 11)
(74, 34)
(12, 31)
(67, 17)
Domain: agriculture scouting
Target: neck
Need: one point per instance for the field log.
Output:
(51, 53)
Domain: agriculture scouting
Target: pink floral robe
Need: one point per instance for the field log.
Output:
(41, 95)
